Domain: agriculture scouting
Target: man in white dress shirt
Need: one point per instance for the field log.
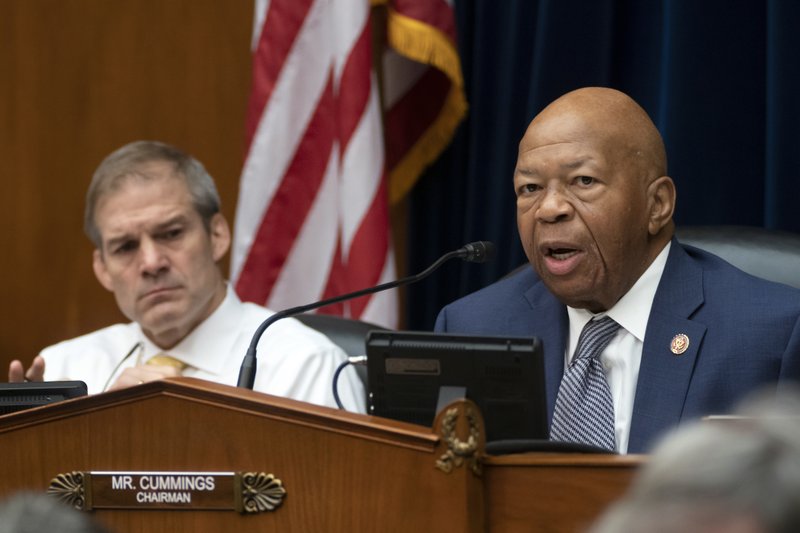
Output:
(153, 214)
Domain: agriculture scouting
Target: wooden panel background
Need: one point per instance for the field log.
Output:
(79, 78)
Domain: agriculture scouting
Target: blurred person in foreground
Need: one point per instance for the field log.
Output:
(28, 512)
(740, 475)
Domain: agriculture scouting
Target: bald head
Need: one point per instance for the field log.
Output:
(594, 203)
(603, 115)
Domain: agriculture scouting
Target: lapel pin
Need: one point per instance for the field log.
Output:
(679, 344)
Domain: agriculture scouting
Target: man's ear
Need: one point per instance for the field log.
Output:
(100, 270)
(220, 236)
(661, 203)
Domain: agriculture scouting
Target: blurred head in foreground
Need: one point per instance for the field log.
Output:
(27, 512)
(735, 476)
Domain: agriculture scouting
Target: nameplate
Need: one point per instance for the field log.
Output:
(244, 492)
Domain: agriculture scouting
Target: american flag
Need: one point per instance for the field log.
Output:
(312, 220)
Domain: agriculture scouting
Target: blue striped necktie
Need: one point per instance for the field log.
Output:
(584, 410)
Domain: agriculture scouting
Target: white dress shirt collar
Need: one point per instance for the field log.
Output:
(631, 312)
(202, 347)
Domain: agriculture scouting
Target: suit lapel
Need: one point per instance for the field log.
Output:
(550, 325)
(663, 375)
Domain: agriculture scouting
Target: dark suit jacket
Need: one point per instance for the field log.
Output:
(744, 334)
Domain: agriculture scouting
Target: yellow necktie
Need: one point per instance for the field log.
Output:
(163, 359)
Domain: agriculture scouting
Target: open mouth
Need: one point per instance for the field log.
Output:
(561, 254)
(560, 259)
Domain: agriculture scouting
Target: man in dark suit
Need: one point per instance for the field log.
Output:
(594, 212)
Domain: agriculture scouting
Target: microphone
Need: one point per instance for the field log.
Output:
(474, 252)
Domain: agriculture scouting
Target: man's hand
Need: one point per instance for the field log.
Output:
(136, 375)
(17, 373)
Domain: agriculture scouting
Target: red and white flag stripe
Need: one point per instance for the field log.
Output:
(312, 219)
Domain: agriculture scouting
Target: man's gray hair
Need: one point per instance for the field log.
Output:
(130, 161)
(742, 474)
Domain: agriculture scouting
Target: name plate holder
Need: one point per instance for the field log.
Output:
(243, 492)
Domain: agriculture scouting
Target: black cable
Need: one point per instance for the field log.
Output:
(339, 369)
(352, 360)
(139, 345)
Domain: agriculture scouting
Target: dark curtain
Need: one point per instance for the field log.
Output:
(720, 78)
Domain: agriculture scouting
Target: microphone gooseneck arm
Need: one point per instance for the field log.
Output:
(478, 252)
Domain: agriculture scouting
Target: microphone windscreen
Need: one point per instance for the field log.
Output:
(479, 251)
